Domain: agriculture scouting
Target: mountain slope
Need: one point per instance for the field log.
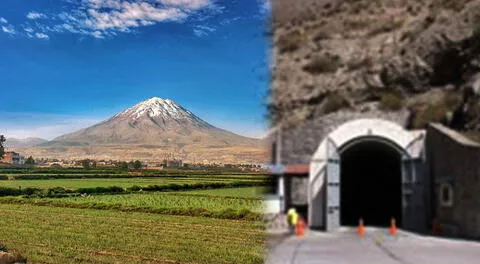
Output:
(25, 142)
(150, 130)
(154, 121)
(415, 56)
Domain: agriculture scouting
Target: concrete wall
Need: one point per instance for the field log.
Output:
(456, 160)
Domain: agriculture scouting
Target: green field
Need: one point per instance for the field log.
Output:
(231, 192)
(195, 226)
(64, 235)
(121, 182)
(166, 200)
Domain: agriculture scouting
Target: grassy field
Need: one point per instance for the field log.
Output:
(167, 200)
(231, 192)
(121, 182)
(195, 226)
(64, 235)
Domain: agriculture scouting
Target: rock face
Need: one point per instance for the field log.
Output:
(389, 55)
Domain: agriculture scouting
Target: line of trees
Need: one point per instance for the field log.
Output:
(2, 150)
(30, 161)
(135, 165)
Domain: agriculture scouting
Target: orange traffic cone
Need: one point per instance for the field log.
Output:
(300, 228)
(393, 227)
(361, 228)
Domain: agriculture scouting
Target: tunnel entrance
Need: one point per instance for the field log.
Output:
(371, 184)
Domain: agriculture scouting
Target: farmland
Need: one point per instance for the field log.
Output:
(194, 218)
(232, 192)
(64, 235)
(121, 182)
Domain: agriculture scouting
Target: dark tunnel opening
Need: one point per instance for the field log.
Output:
(371, 184)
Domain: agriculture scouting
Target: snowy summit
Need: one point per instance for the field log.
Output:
(157, 107)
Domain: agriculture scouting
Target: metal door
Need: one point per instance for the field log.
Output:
(413, 187)
(407, 192)
(333, 186)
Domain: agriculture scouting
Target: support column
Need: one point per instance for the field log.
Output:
(281, 193)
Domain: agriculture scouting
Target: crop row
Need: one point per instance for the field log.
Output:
(229, 213)
(64, 235)
(62, 192)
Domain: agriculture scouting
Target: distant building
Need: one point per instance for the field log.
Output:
(13, 158)
(173, 163)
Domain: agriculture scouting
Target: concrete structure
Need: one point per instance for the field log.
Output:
(375, 169)
(455, 163)
(324, 193)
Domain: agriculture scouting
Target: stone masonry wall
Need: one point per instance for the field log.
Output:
(459, 163)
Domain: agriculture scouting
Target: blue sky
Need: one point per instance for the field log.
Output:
(68, 64)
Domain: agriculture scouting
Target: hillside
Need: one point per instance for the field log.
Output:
(155, 121)
(26, 142)
(421, 57)
(150, 130)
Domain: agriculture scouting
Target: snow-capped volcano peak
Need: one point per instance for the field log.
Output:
(161, 109)
(156, 107)
(154, 122)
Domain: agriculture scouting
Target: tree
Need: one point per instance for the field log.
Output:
(2, 150)
(86, 164)
(30, 161)
(137, 165)
(123, 165)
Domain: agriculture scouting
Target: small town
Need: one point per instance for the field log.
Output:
(14, 159)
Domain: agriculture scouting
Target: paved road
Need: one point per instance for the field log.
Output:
(344, 247)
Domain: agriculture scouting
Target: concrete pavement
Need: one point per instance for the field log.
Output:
(344, 247)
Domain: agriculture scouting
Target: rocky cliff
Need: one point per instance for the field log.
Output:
(420, 57)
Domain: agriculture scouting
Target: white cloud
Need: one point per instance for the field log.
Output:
(228, 21)
(41, 36)
(35, 15)
(199, 33)
(28, 29)
(8, 29)
(3, 20)
(201, 30)
(130, 15)
(107, 18)
(97, 34)
(187, 4)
